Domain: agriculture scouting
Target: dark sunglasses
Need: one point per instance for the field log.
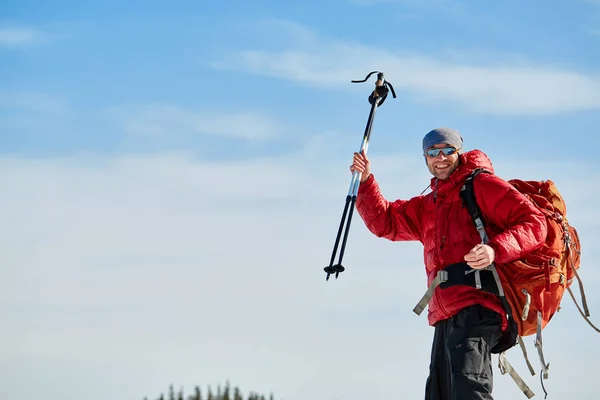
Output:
(436, 152)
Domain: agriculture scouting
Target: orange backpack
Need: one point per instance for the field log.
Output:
(536, 282)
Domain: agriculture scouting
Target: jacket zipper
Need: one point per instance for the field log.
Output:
(442, 241)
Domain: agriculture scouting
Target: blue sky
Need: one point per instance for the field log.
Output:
(173, 175)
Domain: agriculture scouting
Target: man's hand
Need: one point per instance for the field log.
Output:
(361, 164)
(480, 256)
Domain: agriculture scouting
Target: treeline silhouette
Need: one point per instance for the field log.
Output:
(220, 393)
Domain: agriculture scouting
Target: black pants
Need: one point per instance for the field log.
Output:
(461, 367)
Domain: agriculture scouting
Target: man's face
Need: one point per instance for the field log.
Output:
(442, 164)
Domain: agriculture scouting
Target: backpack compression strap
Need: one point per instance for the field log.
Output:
(585, 313)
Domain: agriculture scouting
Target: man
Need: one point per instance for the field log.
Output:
(468, 322)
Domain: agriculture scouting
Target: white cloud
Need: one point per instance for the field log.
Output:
(18, 37)
(167, 120)
(501, 87)
(123, 275)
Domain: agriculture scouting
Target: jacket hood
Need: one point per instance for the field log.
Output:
(469, 161)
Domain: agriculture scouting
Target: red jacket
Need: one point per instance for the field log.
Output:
(514, 226)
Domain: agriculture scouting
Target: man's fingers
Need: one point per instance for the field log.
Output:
(474, 260)
(359, 164)
(477, 251)
(479, 257)
(478, 264)
(361, 156)
(358, 157)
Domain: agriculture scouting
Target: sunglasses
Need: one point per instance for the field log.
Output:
(436, 152)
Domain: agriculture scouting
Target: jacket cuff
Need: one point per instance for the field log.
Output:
(366, 184)
(497, 253)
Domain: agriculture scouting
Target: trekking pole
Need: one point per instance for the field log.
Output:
(376, 99)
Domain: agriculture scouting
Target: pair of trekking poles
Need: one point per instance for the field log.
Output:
(376, 99)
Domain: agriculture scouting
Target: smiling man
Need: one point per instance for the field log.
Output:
(469, 323)
(441, 153)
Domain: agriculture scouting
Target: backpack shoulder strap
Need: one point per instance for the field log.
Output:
(467, 193)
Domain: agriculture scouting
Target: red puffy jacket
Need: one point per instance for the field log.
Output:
(438, 219)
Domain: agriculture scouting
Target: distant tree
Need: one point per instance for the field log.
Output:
(236, 394)
(180, 395)
(171, 393)
(197, 394)
(255, 396)
(226, 390)
(209, 395)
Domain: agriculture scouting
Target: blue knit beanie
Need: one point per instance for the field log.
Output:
(442, 135)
